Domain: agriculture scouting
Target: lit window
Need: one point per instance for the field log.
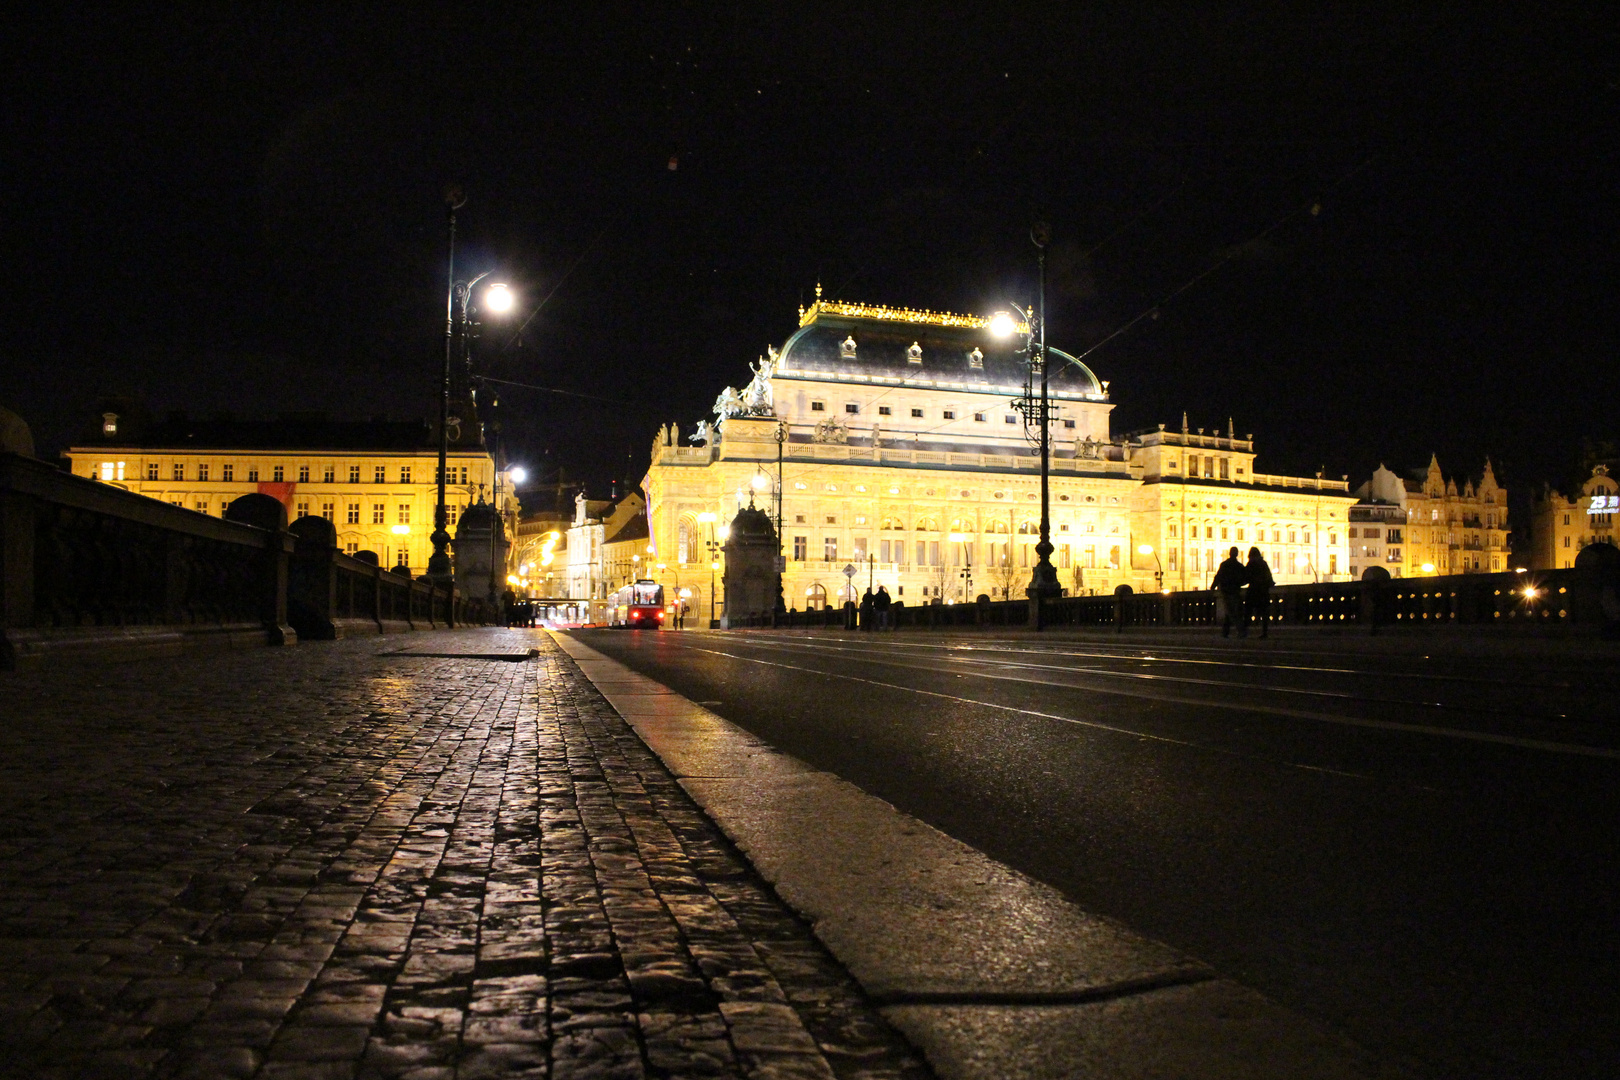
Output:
(253, 475)
(379, 474)
(404, 514)
(354, 474)
(303, 474)
(303, 508)
(152, 471)
(179, 472)
(404, 474)
(378, 514)
(278, 474)
(328, 475)
(353, 514)
(202, 472)
(202, 506)
(227, 472)
(327, 510)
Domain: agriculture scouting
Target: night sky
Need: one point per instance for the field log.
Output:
(1411, 219)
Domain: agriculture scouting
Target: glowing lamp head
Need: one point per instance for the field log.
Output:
(1428, 568)
(1003, 325)
(707, 516)
(518, 474)
(1530, 592)
(401, 530)
(759, 482)
(499, 299)
(723, 531)
(1145, 549)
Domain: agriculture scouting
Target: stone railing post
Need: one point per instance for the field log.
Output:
(264, 512)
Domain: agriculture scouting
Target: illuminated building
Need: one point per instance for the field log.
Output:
(376, 481)
(1448, 530)
(905, 456)
(1561, 527)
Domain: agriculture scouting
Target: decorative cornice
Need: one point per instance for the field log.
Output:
(884, 313)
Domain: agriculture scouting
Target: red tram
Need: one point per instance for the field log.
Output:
(639, 604)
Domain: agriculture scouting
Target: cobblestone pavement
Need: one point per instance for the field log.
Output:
(322, 862)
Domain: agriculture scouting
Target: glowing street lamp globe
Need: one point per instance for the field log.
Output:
(518, 474)
(499, 299)
(1002, 324)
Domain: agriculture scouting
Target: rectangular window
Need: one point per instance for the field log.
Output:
(933, 552)
(404, 474)
(1333, 564)
(329, 474)
(353, 514)
(379, 474)
(918, 414)
(1307, 537)
(1351, 532)
(1063, 556)
(278, 474)
(464, 474)
(851, 407)
(178, 502)
(1192, 464)
(202, 472)
(949, 414)
(979, 417)
(883, 410)
(1223, 533)
(1566, 541)
(801, 548)
(829, 548)
(327, 510)
(303, 508)
(884, 551)
(354, 474)
(1224, 467)
(404, 514)
(922, 553)
(202, 506)
(1014, 420)
(1070, 424)
(303, 474)
(152, 471)
(1240, 534)
(860, 549)
(227, 472)
(1172, 563)
(179, 472)
(253, 475)
(351, 546)
(818, 406)
(379, 514)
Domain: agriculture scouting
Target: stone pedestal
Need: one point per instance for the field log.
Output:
(753, 585)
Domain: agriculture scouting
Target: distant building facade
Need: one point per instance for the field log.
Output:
(607, 545)
(1446, 529)
(1560, 527)
(376, 481)
(903, 456)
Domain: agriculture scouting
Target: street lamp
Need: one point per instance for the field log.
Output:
(458, 302)
(1043, 582)
(1158, 575)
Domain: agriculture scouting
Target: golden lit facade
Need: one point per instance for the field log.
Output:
(379, 500)
(1561, 527)
(903, 455)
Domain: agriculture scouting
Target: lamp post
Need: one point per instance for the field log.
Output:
(1043, 582)
(1158, 575)
(458, 297)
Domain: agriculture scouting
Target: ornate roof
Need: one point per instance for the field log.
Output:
(840, 341)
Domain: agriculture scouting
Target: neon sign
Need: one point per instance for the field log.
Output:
(1604, 504)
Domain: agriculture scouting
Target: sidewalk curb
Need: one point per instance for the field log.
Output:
(991, 974)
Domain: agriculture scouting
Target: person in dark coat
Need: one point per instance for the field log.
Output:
(881, 602)
(1228, 582)
(868, 606)
(1259, 595)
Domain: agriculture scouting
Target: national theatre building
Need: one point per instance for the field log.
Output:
(887, 439)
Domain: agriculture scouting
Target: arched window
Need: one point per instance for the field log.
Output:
(996, 527)
(1029, 528)
(815, 597)
(963, 525)
(892, 523)
(928, 525)
(683, 547)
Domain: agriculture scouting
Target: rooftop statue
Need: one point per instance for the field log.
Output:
(700, 434)
(728, 404)
(757, 397)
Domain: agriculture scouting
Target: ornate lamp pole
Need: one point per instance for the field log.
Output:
(1043, 582)
(458, 300)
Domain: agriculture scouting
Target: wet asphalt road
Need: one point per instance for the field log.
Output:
(1412, 843)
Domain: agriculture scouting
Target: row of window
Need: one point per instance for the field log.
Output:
(328, 510)
(278, 473)
(1373, 533)
(933, 553)
(853, 409)
(1294, 536)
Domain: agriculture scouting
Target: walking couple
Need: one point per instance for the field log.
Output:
(1229, 581)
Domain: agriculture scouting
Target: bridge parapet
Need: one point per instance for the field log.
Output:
(89, 570)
